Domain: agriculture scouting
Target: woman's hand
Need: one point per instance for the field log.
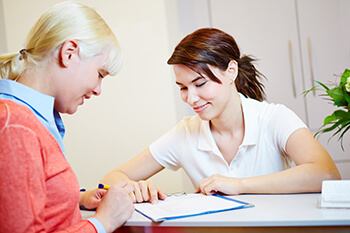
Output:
(218, 183)
(116, 206)
(147, 191)
(91, 198)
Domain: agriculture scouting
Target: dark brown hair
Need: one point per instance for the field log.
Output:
(211, 46)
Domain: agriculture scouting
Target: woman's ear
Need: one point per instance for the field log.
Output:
(233, 70)
(68, 52)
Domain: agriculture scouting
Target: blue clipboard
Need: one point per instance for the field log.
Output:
(189, 205)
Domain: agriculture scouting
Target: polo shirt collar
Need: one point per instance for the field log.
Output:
(250, 121)
(42, 104)
(206, 140)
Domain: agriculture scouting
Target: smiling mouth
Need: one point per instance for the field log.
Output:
(85, 97)
(200, 108)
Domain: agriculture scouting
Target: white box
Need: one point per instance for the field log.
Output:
(335, 194)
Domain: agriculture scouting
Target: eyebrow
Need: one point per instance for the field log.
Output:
(193, 81)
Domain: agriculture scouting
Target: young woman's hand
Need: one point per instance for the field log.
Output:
(147, 191)
(91, 198)
(116, 206)
(218, 183)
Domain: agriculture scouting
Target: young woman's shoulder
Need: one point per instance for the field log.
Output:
(190, 124)
(264, 108)
(271, 115)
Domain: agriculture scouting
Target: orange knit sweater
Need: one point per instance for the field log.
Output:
(39, 191)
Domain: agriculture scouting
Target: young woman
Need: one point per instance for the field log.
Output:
(237, 143)
(67, 54)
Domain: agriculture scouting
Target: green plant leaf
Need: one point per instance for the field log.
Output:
(335, 125)
(345, 124)
(342, 127)
(329, 119)
(341, 114)
(336, 94)
(346, 96)
(316, 88)
(346, 129)
(345, 76)
(340, 104)
(323, 85)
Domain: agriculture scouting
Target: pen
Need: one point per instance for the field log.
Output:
(103, 186)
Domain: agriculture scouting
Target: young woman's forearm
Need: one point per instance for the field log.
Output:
(300, 179)
(113, 176)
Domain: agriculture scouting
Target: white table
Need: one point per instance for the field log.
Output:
(272, 213)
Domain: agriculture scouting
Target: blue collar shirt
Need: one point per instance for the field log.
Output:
(40, 104)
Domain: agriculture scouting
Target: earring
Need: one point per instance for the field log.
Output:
(231, 81)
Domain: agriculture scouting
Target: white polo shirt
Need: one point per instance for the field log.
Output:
(190, 144)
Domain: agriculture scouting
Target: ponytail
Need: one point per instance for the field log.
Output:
(247, 81)
(11, 66)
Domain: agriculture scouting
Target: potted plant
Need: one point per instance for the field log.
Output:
(339, 95)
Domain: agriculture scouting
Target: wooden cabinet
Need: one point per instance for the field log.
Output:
(296, 42)
(324, 47)
(267, 30)
(325, 52)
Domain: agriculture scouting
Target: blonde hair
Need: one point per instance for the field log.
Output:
(65, 20)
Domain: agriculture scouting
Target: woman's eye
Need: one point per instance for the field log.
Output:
(201, 84)
(100, 75)
(183, 88)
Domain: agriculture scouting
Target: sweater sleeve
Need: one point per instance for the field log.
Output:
(80, 227)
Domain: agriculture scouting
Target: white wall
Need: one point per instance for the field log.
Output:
(3, 44)
(135, 108)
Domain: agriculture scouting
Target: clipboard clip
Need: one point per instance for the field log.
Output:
(176, 194)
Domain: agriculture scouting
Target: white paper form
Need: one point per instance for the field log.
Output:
(193, 204)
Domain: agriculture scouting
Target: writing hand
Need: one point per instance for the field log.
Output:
(116, 206)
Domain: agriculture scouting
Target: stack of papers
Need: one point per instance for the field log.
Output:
(175, 207)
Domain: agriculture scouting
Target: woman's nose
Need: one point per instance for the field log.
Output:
(192, 97)
(97, 91)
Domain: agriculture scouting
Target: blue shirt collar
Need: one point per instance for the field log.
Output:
(42, 104)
